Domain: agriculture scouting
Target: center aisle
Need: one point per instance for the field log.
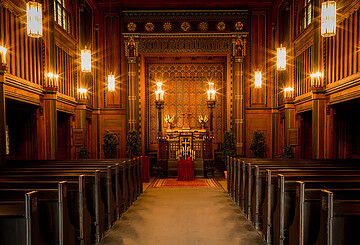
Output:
(181, 216)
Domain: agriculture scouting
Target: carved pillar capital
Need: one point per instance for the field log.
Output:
(131, 47)
(239, 46)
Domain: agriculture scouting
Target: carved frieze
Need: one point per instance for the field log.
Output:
(195, 21)
(194, 45)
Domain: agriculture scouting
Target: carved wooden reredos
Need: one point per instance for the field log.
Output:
(184, 49)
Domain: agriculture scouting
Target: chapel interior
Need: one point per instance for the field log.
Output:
(233, 115)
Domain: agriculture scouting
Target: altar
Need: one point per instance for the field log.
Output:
(196, 140)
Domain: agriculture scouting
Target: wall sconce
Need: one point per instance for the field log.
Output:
(53, 80)
(111, 83)
(86, 60)
(258, 78)
(2, 55)
(159, 93)
(281, 58)
(34, 19)
(288, 93)
(315, 80)
(328, 18)
(211, 91)
(82, 93)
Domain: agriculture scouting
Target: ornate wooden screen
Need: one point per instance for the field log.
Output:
(185, 88)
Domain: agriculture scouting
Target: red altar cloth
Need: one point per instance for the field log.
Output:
(185, 170)
(145, 169)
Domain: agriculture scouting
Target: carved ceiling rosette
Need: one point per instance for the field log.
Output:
(221, 26)
(239, 26)
(203, 26)
(149, 27)
(167, 26)
(131, 26)
(185, 26)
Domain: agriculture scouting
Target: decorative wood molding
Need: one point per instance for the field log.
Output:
(161, 15)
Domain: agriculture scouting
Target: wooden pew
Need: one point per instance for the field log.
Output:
(94, 199)
(304, 228)
(339, 217)
(269, 205)
(20, 215)
(134, 179)
(54, 218)
(79, 214)
(273, 212)
(255, 189)
(106, 185)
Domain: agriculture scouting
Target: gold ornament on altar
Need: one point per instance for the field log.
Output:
(221, 26)
(149, 27)
(167, 26)
(131, 26)
(239, 26)
(202, 120)
(169, 120)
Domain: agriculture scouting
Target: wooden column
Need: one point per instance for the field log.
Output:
(239, 94)
(289, 118)
(3, 69)
(132, 91)
(81, 119)
(318, 123)
(50, 116)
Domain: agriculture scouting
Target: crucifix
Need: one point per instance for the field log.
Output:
(187, 121)
(186, 143)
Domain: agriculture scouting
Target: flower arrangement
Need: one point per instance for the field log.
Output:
(203, 119)
(169, 119)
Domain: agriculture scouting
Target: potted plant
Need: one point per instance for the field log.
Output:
(288, 152)
(110, 144)
(228, 146)
(257, 145)
(133, 143)
(83, 153)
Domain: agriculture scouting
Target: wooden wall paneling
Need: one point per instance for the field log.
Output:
(112, 58)
(351, 43)
(356, 42)
(336, 58)
(345, 47)
(22, 58)
(17, 46)
(12, 43)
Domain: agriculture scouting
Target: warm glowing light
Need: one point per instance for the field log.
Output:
(2, 55)
(111, 83)
(34, 19)
(328, 18)
(211, 91)
(86, 60)
(53, 80)
(258, 79)
(159, 93)
(82, 93)
(288, 92)
(315, 79)
(281, 58)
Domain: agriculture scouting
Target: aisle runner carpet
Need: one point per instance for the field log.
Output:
(173, 183)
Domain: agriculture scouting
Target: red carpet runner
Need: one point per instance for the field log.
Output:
(173, 183)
